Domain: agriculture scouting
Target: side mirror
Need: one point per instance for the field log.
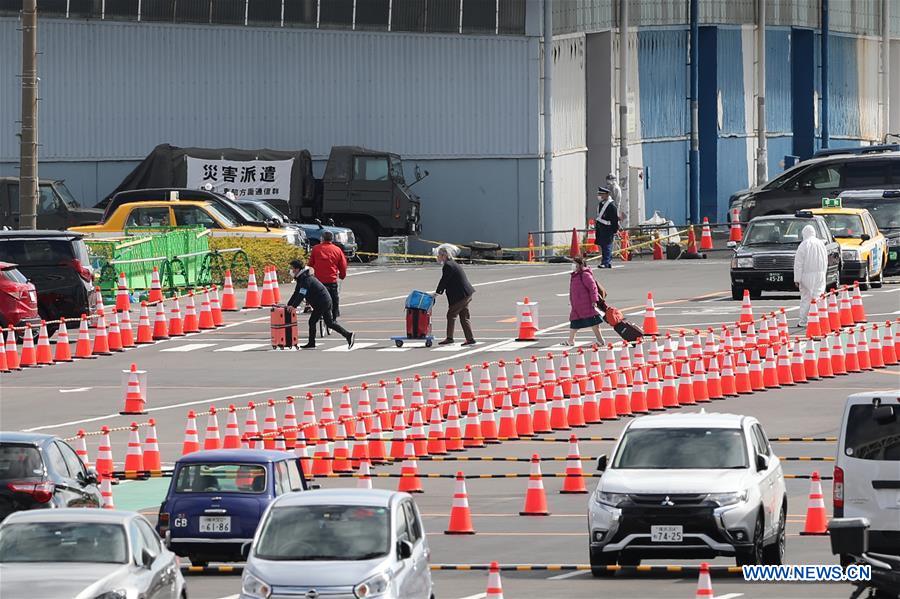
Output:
(404, 549)
(762, 462)
(92, 477)
(245, 550)
(865, 237)
(602, 463)
(146, 559)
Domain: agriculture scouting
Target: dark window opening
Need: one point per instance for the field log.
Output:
(512, 17)
(158, 10)
(372, 14)
(266, 12)
(336, 13)
(192, 11)
(229, 12)
(479, 16)
(300, 12)
(442, 15)
(408, 15)
(122, 9)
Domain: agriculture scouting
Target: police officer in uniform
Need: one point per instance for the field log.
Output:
(607, 225)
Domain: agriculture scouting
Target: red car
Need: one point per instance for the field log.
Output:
(18, 298)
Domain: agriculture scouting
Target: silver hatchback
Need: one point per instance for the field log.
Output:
(339, 544)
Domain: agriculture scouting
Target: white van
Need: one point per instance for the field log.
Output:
(867, 468)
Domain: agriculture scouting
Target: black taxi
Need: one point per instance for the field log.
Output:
(764, 260)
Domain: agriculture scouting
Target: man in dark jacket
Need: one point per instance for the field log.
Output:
(459, 293)
(316, 295)
(607, 225)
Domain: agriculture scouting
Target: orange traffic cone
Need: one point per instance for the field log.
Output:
(268, 296)
(657, 247)
(460, 516)
(101, 339)
(28, 359)
(106, 494)
(592, 237)
(846, 308)
(856, 305)
(704, 584)
(252, 299)
(746, 312)
(813, 327)
(211, 439)
(232, 438)
(134, 396)
(834, 311)
(276, 290)
(409, 472)
(83, 345)
(735, 233)
(123, 298)
(574, 481)
(816, 518)
(527, 329)
(151, 449)
(889, 345)
(229, 300)
(144, 330)
(270, 426)
(44, 353)
(114, 335)
(651, 327)
(494, 588)
(4, 367)
(535, 498)
(191, 322)
(574, 246)
(364, 481)
(134, 457)
(176, 324)
(876, 355)
(160, 324)
(155, 288)
(216, 308)
(81, 448)
(12, 350)
(706, 240)
(206, 317)
(104, 461)
(692, 241)
(191, 439)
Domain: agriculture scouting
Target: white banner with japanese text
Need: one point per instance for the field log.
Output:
(258, 179)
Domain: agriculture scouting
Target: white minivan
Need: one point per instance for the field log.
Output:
(867, 467)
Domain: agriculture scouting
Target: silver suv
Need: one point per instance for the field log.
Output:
(688, 486)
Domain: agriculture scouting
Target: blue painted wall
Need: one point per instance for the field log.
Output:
(663, 74)
(730, 75)
(803, 83)
(708, 125)
(778, 81)
(667, 182)
(843, 86)
(732, 174)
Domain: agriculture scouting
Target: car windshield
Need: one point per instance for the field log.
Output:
(885, 211)
(325, 532)
(37, 252)
(781, 179)
(275, 212)
(20, 461)
(844, 225)
(397, 168)
(254, 210)
(870, 439)
(66, 195)
(92, 542)
(223, 218)
(777, 231)
(682, 448)
(215, 478)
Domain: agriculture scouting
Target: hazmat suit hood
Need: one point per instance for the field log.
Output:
(811, 262)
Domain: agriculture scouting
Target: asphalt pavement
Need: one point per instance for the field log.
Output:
(235, 364)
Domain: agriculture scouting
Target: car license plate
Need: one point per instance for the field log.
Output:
(666, 534)
(775, 277)
(215, 523)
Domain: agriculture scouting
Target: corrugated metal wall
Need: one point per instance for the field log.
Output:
(110, 90)
(568, 94)
(843, 110)
(730, 76)
(663, 72)
(778, 81)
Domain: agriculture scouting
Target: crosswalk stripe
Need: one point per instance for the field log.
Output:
(394, 349)
(356, 346)
(452, 347)
(513, 346)
(188, 347)
(244, 347)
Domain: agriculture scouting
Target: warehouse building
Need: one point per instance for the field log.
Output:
(455, 87)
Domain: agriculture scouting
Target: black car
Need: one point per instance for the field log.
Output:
(828, 173)
(40, 472)
(884, 206)
(764, 260)
(59, 266)
(343, 237)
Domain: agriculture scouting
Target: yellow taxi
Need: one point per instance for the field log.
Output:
(863, 246)
(165, 214)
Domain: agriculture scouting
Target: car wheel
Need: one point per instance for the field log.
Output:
(866, 280)
(737, 293)
(773, 555)
(755, 294)
(752, 555)
(600, 563)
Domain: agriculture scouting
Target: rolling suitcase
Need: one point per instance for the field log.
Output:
(418, 323)
(283, 325)
(628, 331)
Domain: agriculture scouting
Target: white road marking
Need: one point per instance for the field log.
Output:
(568, 575)
(244, 347)
(395, 349)
(729, 596)
(230, 597)
(454, 347)
(478, 596)
(514, 345)
(343, 347)
(894, 290)
(354, 273)
(188, 347)
(76, 390)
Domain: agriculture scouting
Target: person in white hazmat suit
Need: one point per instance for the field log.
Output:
(810, 266)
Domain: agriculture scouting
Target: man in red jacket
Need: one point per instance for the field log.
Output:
(329, 263)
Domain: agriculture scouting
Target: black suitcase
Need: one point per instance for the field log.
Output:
(627, 330)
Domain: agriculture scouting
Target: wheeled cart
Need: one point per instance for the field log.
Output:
(418, 319)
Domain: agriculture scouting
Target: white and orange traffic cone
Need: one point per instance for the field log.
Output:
(460, 516)
(229, 300)
(152, 461)
(104, 462)
(535, 497)
(134, 395)
(43, 354)
(63, 350)
(81, 448)
(527, 329)
(494, 586)
(409, 472)
(156, 294)
(704, 584)
(106, 494)
(746, 311)
(144, 329)
(191, 438)
(706, 240)
(232, 438)
(123, 298)
(252, 298)
(574, 481)
(134, 456)
(364, 481)
(816, 517)
(160, 324)
(651, 326)
(856, 305)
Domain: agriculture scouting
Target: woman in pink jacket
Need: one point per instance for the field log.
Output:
(584, 291)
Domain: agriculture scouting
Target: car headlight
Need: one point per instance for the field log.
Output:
(610, 499)
(723, 499)
(117, 594)
(851, 255)
(254, 587)
(742, 262)
(373, 587)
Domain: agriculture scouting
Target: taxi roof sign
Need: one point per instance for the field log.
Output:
(831, 202)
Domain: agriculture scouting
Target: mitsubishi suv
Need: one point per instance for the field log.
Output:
(694, 485)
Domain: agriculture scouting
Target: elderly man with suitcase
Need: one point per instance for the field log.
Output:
(308, 287)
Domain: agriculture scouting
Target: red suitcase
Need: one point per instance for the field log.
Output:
(418, 323)
(283, 324)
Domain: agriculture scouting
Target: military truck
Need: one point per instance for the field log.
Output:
(362, 189)
(57, 208)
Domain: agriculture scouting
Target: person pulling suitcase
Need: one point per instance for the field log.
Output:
(308, 287)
